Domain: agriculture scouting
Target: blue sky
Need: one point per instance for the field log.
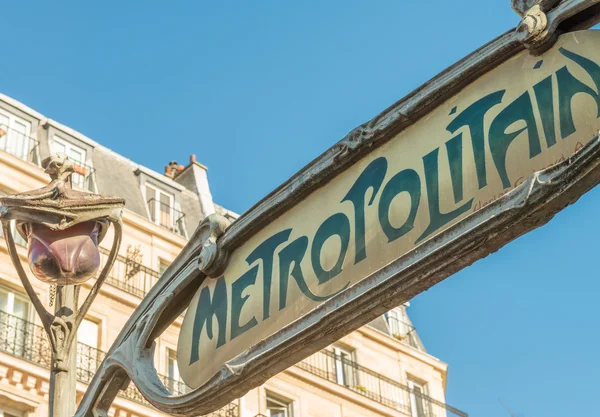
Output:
(258, 89)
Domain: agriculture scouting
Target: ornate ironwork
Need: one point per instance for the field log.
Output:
(528, 206)
(26, 340)
(121, 276)
(59, 208)
(377, 387)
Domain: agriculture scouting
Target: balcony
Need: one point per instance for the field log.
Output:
(404, 332)
(19, 145)
(27, 340)
(166, 216)
(129, 276)
(363, 381)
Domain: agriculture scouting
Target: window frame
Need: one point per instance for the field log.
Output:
(6, 411)
(174, 378)
(172, 356)
(281, 404)
(158, 192)
(17, 333)
(396, 323)
(342, 377)
(90, 358)
(12, 120)
(12, 294)
(98, 324)
(414, 410)
(162, 262)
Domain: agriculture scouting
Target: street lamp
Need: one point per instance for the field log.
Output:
(63, 228)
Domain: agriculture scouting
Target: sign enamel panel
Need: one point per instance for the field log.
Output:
(527, 114)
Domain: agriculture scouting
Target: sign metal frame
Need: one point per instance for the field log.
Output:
(528, 206)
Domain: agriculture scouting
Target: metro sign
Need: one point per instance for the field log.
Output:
(528, 114)
(488, 150)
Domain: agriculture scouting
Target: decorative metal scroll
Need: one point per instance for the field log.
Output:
(530, 204)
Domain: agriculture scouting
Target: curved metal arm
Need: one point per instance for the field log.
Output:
(45, 317)
(82, 311)
(528, 206)
(132, 356)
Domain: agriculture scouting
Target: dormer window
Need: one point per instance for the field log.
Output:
(161, 209)
(160, 206)
(81, 177)
(15, 137)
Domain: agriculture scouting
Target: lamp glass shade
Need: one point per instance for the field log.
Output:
(63, 257)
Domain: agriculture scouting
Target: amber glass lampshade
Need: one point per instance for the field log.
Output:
(63, 257)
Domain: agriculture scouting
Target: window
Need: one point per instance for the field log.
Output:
(345, 367)
(9, 412)
(418, 403)
(396, 323)
(75, 154)
(88, 355)
(162, 266)
(15, 329)
(279, 407)
(160, 207)
(88, 333)
(14, 136)
(174, 383)
(14, 304)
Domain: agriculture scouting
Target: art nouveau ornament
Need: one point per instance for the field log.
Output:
(488, 150)
(63, 228)
(301, 269)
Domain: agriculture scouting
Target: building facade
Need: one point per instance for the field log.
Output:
(381, 369)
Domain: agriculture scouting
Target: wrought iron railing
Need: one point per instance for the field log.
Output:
(230, 410)
(88, 361)
(168, 217)
(24, 339)
(129, 276)
(19, 144)
(176, 386)
(403, 332)
(27, 340)
(363, 381)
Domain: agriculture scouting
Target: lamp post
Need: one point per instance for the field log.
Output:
(63, 228)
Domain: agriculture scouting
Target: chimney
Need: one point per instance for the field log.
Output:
(171, 169)
(194, 178)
